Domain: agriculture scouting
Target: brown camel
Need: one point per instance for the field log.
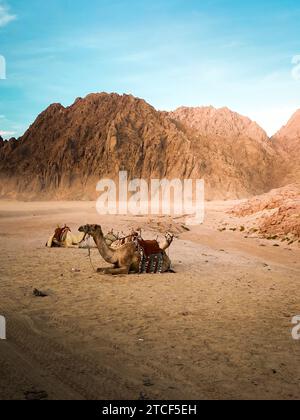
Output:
(127, 258)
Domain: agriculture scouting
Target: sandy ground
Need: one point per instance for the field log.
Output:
(220, 328)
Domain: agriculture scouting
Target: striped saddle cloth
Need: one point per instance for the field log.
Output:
(151, 257)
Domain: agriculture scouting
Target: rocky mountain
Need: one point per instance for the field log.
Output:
(220, 123)
(68, 150)
(287, 146)
(237, 149)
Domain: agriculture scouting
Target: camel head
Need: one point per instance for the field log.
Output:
(169, 237)
(91, 230)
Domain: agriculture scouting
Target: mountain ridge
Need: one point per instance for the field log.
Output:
(65, 152)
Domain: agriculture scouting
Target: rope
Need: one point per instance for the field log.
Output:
(169, 253)
(89, 255)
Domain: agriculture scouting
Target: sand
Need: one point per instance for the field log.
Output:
(220, 328)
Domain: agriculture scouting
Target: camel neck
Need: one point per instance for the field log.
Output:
(106, 252)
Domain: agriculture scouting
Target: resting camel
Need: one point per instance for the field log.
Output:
(64, 238)
(127, 258)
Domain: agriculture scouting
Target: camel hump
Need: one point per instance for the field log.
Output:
(150, 247)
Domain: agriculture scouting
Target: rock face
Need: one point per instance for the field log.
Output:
(278, 212)
(68, 150)
(220, 123)
(235, 150)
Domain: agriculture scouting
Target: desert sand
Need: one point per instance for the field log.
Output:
(220, 328)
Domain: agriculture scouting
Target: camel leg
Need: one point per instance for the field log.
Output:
(115, 271)
(101, 270)
(66, 245)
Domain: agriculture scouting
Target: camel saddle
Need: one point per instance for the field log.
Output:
(149, 247)
(60, 233)
(151, 256)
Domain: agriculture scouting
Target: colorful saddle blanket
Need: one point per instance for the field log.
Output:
(151, 257)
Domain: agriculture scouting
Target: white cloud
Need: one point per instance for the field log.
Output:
(296, 68)
(5, 16)
(7, 133)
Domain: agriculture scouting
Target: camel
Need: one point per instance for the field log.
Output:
(64, 238)
(119, 241)
(127, 258)
(69, 241)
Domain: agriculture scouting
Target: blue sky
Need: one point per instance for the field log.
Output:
(169, 52)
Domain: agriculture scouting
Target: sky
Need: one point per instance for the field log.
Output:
(243, 55)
